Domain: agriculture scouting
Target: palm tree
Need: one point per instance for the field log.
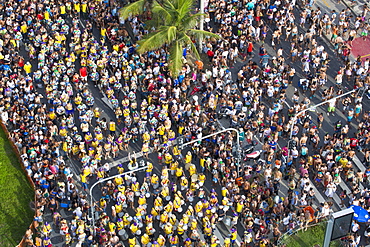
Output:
(174, 25)
(136, 8)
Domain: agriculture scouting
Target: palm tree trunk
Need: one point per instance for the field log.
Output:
(201, 24)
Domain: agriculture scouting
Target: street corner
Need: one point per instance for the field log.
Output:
(361, 47)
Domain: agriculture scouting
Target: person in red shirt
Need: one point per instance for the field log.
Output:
(83, 73)
(21, 62)
(210, 55)
(250, 48)
(353, 143)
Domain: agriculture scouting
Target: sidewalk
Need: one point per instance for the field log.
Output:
(360, 46)
(355, 8)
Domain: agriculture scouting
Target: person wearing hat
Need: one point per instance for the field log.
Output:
(207, 231)
(134, 227)
(233, 235)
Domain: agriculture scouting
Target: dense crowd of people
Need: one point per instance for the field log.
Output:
(51, 114)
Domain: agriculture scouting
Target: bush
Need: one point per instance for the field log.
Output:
(314, 235)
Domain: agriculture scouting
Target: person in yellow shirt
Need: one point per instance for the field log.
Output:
(96, 113)
(120, 224)
(118, 207)
(163, 218)
(173, 167)
(227, 242)
(168, 158)
(103, 33)
(176, 152)
(112, 127)
(154, 213)
(145, 239)
(161, 240)
(201, 179)
(192, 169)
(112, 227)
(158, 202)
(142, 200)
(46, 15)
(118, 181)
(180, 228)
(145, 150)
(214, 241)
(120, 169)
(193, 224)
(188, 158)
(233, 235)
(198, 207)
(84, 181)
(149, 170)
(132, 242)
(62, 9)
(146, 136)
(207, 231)
(84, 9)
(187, 242)
(179, 173)
(239, 206)
(27, 68)
(172, 219)
(134, 228)
(168, 229)
(77, 8)
(174, 240)
(177, 203)
(184, 183)
(24, 28)
(154, 181)
(168, 208)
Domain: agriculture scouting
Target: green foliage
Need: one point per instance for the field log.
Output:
(174, 25)
(15, 196)
(314, 235)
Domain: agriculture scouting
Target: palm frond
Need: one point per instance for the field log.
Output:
(171, 8)
(161, 12)
(187, 40)
(132, 9)
(191, 21)
(175, 60)
(185, 7)
(171, 33)
(202, 34)
(152, 41)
